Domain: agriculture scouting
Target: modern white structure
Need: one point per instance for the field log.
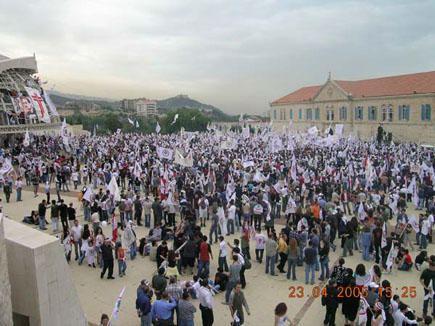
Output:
(146, 107)
(23, 102)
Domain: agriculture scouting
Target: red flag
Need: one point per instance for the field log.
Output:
(114, 228)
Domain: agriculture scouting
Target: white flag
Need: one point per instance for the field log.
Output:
(384, 236)
(363, 305)
(131, 122)
(194, 118)
(414, 224)
(313, 130)
(137, 124)
(64, 134)
(165, 153)
(88, 194)
(175, 119)
(26, 141)
(6, 167)
(293, 168)
(184, 161)
(117, 305)
(390, 258)
(246, 133)
(158, 128)
(247, 164)
(241, 117)
(339, 129)
(113, 189)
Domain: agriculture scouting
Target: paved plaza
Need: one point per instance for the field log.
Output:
(263, 292)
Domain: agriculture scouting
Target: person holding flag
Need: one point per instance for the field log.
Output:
(427, 280)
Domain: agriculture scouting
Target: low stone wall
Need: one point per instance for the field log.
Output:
(5, 287)
(43, 293)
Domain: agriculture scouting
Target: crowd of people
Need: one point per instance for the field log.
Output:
(293, 197)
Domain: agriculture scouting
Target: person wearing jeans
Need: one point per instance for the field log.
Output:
(271, 251)
(310, 259)
(292, 258)
(233, 277)
(222, 260)
(324, 260)
(42, 209)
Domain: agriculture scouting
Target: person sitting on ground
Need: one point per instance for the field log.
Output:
(406, 262)
(221, 279)
(420, 259)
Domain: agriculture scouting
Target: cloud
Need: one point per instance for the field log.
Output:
(237, 55)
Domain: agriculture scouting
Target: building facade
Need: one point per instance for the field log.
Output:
(402, 104)
(146, 108)
(128, 104)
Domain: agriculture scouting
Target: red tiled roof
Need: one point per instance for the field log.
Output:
(418, 83)
(302, 94)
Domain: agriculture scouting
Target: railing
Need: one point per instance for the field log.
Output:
(21, 129)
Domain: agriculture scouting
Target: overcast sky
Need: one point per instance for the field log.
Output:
(235, 54)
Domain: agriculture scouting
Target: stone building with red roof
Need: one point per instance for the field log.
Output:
(402, 104)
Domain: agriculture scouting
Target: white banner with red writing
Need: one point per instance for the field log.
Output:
(38, 104)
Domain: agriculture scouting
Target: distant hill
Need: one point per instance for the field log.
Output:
(82, 97)
(183, 101)
(61, 99)
(167, 105)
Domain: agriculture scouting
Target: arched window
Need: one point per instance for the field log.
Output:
(384, 112)
(390, 113)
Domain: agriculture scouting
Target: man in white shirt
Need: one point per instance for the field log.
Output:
(206, 303)
(260, 239)
(425, 229)
(222, 254)
(203, 209)
(76, 233)
(399, 316)
(231, 216)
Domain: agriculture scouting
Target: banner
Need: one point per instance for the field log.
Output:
(248, 164)
(158, 128)
(414, 224)
(339, 129)
(165, 153)
(184, 161)
(38, 104)
(229, 144)
(26, 104)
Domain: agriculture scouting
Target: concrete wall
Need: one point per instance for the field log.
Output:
(41, 285)
(5, 287)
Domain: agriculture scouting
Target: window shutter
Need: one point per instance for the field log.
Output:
(422, 112)
(428, 109)
(362, 113)
(375, 114)
(400, 112)
(345, 113)
(356, 113)
(291, 114)
(407, 112)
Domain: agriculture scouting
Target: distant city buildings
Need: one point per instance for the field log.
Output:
(146, 108)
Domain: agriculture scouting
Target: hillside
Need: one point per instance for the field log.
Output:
(183, 101)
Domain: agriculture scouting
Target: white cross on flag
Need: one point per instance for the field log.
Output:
(38, 104)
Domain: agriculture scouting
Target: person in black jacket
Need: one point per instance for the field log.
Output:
(63, 209)
(107, 255)
(331, 303)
